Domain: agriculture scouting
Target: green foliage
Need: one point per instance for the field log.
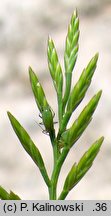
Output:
(68, 100)
(44, 107)
(54, 67)
(29, 146)
(70, 54)
(4, 195)
(71, 135)
(79, 170)
(71, 46)
(38, 91)
(79, 90)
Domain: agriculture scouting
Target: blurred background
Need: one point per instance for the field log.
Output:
(24, 29)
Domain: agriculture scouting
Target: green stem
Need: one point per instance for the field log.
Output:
(64, 124)
(63, 195)
(56, 172)
(60, 113)
(56, 154)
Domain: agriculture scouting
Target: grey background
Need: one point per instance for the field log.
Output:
(24, 29)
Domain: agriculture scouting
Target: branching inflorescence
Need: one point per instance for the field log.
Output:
(68, 101)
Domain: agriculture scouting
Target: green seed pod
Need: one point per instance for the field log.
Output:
(54, 67)
(71, 135)
(82, 85)
(38, 91)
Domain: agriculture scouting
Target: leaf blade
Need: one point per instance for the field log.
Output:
(29, 146)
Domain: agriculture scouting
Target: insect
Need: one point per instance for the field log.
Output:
(47, 117)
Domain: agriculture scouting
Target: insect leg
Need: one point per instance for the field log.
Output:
(40, 116)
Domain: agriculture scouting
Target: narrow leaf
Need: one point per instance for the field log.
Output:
(28, 145)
